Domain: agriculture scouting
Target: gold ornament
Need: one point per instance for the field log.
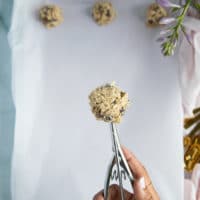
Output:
(154, 14)
(51, 16)
(187, 141)
(192, 141)
(192, 155)
(103, 12)
(108, 103)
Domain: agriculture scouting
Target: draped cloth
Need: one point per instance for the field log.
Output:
(7, 110)
(189, 58)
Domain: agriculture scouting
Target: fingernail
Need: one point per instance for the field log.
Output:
(142, 183)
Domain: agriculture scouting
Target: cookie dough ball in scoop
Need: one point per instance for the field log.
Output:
(108, 103)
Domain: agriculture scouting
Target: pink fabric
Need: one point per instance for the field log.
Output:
(192, 186)
(196, 180)
(189, 192)
(189, 58)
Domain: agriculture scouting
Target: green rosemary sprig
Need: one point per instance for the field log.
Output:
(169, 45)
(175, 26)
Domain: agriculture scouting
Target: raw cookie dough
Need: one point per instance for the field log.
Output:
(154, 14)
(51, 16)
(103, 13)
(109, 103)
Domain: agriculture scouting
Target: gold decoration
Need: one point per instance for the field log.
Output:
(154, 14)
(192, 141)
(51, 16)
(108, 103)
(192, 155)
(196, 110)
(187, 141)
(103, 12)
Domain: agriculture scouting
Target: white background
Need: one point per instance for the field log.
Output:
(61, 151)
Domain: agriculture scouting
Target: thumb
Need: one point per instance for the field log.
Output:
(139, 186)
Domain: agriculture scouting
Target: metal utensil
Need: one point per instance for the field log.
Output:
(121, 163)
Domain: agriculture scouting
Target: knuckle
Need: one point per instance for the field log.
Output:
(114, 187)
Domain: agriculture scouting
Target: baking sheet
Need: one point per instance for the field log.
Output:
(60, 150)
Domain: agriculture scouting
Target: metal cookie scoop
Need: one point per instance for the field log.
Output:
(119, 160)
(109, 103)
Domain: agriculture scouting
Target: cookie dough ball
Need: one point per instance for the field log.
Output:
(51, 16)
(103, 13)
(108, 103)
(154, 14)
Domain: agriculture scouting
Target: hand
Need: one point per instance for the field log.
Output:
(143, 187)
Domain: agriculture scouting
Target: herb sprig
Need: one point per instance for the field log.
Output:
(170, 36)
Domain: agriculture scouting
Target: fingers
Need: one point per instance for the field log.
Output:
(152, 191)
(99, 196)
(139, 186)
(143, 188)
(136, 167)
(141, 192)
(114, 194)
(141, 175)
